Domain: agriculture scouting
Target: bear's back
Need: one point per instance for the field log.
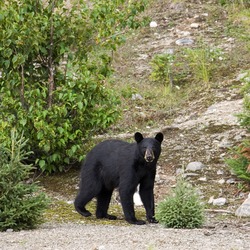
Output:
(109, 160)
(113, 150)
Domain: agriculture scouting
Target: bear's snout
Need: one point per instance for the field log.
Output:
(149, 155)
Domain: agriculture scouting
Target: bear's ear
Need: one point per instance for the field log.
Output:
(159, 137)
(138, 137)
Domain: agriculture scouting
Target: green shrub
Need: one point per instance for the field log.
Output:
(21, 203)
(182, 209)
(244, 3)
(162, 68)
(239, 166)
(240, 162)
(201, 62)
(55, 63)
(171, 69)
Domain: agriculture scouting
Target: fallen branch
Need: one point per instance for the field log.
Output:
(219, 211)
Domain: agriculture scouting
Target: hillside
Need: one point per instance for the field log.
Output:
(198, 119)
(200, 127)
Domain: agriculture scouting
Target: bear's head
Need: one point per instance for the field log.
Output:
(149, 148)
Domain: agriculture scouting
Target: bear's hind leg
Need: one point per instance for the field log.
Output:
(103, 200)
(80, 203)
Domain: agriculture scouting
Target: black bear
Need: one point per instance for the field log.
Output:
(115, 163)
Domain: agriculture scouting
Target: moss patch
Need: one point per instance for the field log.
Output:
(62, 212)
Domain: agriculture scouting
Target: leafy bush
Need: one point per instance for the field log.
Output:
(21, 203)
(55, 63)
(171, 69)
(182, 209)
(244, 3)
(239, 164)
(162, 68)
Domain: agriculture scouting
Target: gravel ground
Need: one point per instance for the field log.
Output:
(76, 236)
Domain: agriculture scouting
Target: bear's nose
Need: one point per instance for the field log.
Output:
(149, 158)
(149, 155)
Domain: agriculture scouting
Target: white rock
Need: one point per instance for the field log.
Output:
(195, 166)
(195, 25)
(153, 24)
(185, 33)
(184, 41)
(219, 201)
(221, 181)
(220, 172)
(203, 179)
(211, 199)
(230, 181)
(136, 97)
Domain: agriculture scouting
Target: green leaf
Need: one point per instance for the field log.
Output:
(80, 105)
(41, 164)
(23, 122)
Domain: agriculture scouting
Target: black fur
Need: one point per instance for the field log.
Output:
(115, 163)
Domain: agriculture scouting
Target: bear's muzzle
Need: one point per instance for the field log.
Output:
(149, 155)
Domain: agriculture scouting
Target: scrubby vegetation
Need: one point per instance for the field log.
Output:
(55, 68)
(240, 162)
(21, 203)
(182, 208)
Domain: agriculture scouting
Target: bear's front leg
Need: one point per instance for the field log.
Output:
(147, 196)
(128, 207)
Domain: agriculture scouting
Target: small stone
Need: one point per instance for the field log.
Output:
(211, 199)
(220, 172)
(204, 14)
(10, 230)
(219, 201)
(195, 166)
(153, 24)
(225, 144)
(195, 25)
(230, 181)
(203, 179)
(136, 97)
(185, 33)
(184, 41)
(221, 181)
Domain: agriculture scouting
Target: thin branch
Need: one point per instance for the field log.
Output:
(219, 211)
(22, 87)
(51, 63)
